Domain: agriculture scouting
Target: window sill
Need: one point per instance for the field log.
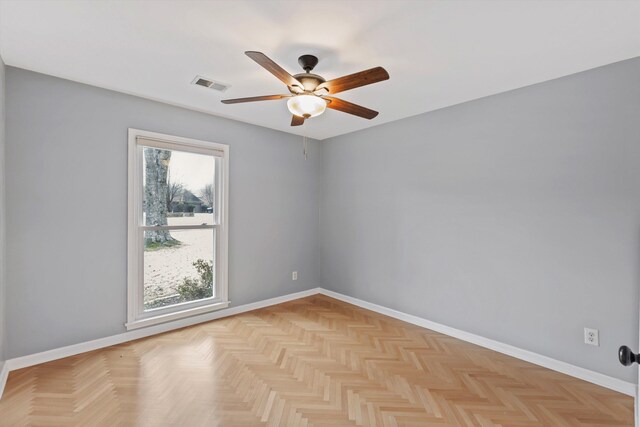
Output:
(163, 318)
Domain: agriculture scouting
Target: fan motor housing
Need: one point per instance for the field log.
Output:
(309, 81)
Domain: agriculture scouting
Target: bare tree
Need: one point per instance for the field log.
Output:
(155, 193)
(173, 190)
(207, 195)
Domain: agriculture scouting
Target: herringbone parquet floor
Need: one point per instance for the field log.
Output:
(311, 362)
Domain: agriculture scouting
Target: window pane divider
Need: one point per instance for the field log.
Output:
(178, 227)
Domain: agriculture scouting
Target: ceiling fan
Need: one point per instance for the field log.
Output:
(310, 93)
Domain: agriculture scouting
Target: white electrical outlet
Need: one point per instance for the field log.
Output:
(294, 275)
(591, 337)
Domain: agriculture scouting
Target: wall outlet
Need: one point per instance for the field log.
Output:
(591, 337)
(294, 275)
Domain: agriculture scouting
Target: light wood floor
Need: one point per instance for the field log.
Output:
(310, 362)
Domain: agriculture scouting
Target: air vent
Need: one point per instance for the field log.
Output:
(210, 84)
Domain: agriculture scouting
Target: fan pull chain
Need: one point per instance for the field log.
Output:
(305, 147)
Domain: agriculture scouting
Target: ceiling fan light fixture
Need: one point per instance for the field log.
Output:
(306, 105)
(309, 91)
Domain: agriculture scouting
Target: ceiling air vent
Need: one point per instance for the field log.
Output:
(217, 86)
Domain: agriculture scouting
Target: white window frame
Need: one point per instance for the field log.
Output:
(136, 315)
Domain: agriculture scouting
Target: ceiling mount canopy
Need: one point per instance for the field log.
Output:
(309, 92)
(308, 62)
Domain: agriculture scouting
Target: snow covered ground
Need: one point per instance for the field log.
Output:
(165, 268)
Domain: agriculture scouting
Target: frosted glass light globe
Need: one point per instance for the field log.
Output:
(306, 105)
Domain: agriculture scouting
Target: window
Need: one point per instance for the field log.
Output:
(177, 236)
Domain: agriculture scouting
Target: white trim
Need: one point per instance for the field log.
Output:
(606, 381)
(635, 408)
(4, 374)
(163, 318)
(597, 378)
(136, 316)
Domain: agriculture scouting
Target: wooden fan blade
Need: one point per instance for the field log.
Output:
(352, 81)
(264, 61)
(296, 120)
(350, 108)
(254, 98)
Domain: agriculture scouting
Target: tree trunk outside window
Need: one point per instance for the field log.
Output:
(156, 192)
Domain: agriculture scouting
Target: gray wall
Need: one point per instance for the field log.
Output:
(67, 207)
(2, 216)
(515, 217)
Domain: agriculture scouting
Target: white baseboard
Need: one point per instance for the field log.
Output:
(72, 350)
(544, 361)
(4, 374)
(612, 383)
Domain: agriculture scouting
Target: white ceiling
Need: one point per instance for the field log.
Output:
(438, 53)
